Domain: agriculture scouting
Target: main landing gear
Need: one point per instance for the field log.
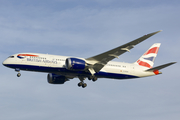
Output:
(82, 84)
(18, 70)
(93, 78)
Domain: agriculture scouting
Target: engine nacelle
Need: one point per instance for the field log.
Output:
(56, 79)
(75, 64)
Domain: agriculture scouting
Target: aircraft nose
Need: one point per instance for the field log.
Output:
(5, 62)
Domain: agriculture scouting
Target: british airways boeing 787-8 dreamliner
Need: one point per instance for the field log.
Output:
(62, 68)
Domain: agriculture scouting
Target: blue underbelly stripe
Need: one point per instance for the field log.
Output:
(64, 70)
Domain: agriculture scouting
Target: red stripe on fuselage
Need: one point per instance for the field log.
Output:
(152, 50)
(28, 55)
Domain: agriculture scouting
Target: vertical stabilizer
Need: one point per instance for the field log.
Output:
(147, 59)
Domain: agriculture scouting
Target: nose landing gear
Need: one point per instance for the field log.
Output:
(19, 74)
(18, 70)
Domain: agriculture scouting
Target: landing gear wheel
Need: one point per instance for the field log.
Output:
(94, 79)
(90, 78)
(84, 85)
(80, 84)
(19, 74)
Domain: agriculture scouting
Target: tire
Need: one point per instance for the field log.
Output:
(19, 74)
(84, 85)
(80, 84)
(94, 79)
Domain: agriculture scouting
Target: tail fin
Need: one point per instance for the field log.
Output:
(147, 59)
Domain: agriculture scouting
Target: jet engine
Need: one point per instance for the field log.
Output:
(75, 64)
(56, 79)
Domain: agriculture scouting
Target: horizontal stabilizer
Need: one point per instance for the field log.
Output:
(161, 66)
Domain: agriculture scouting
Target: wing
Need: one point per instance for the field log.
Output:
(96, 63)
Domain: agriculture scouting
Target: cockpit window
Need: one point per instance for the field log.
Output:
(11, 56)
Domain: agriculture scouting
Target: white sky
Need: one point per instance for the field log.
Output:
(83, 29)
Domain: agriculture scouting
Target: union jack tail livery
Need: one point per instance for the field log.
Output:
(147, 59)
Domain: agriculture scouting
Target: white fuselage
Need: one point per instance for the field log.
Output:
(56, 64)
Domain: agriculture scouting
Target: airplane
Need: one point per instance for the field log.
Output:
(63, 68)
